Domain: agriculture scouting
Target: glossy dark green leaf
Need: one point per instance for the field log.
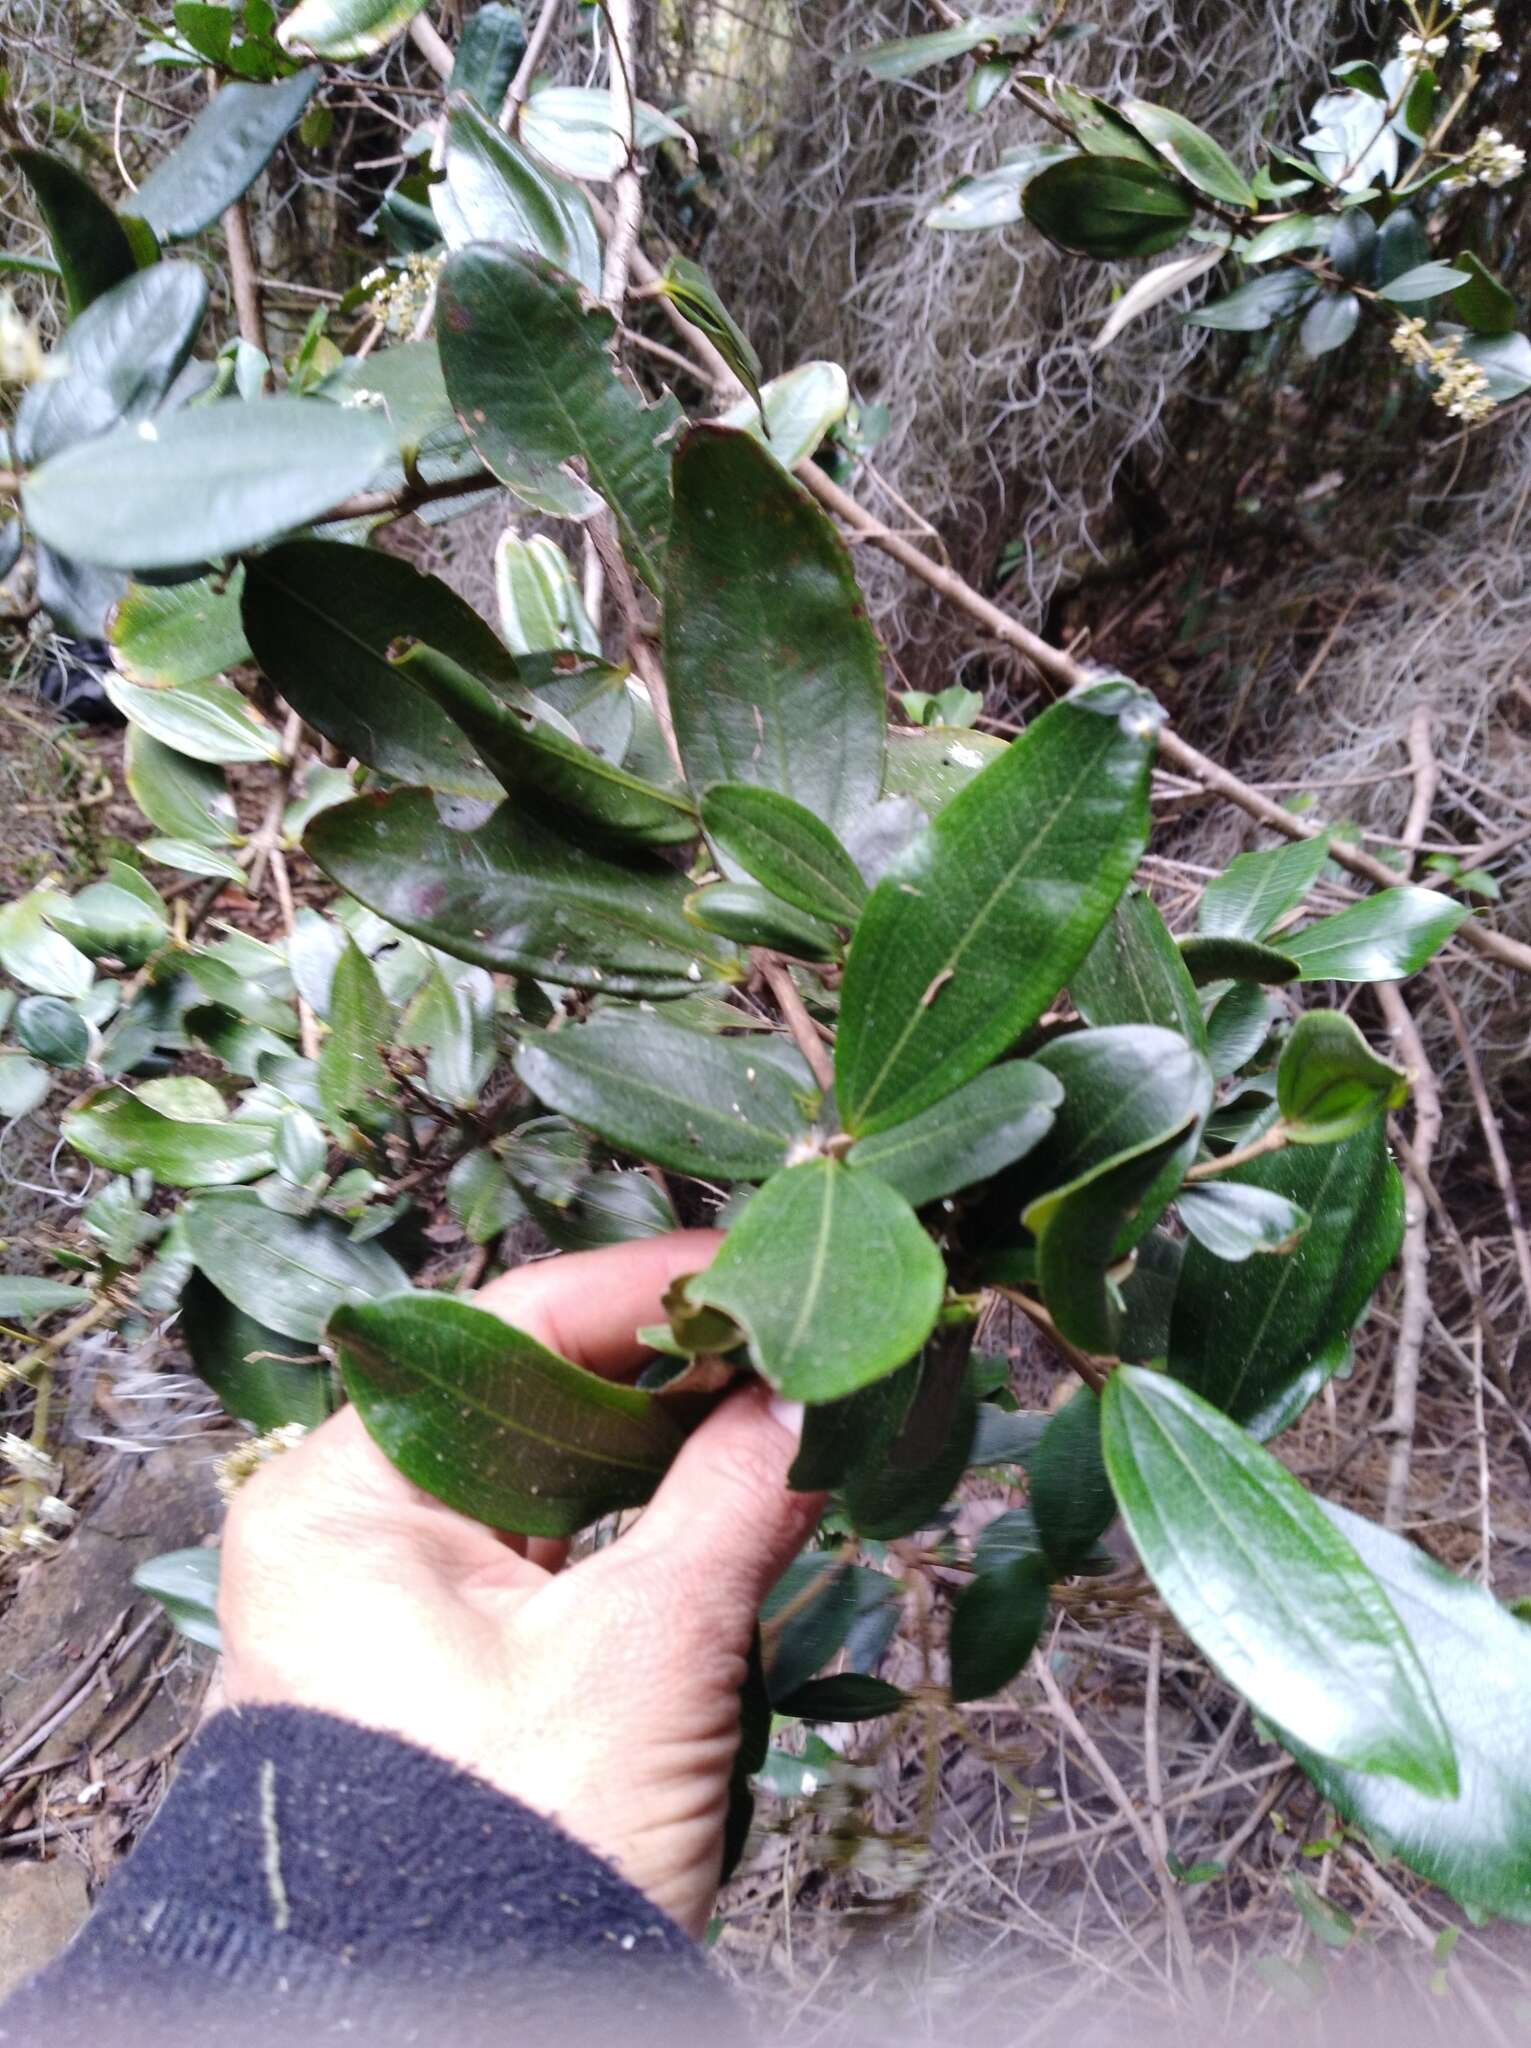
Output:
(514, 896)
(52, 1030)
(1233, 1221)
(985, 1126)
(260, 1376)
(688, 287)
(491, 45)
(752, 916)
(321, 618)
(811, 1614)
(1267, 1588)
(1208, 960)
(108, 920)
(1477, 1657)
(836, 1434)
(343, 29)
(528, 367)
(1001, 1438)
(1071, 1495)
(453, 1018)
(1082, 1236)
(89, 241)
(832, 1277)
(724, 1108)
(1482, 301)
(1386, 937)
(993, 198)
(787, 848)
(287, 1272)
(1108, 207)
(1505, 360)
(1238, 1024)
(1257, 304)
(200, 484)
(539, 765)
(1256, 890)
(609, 1207)
(1134, 974)
(1425, 281)
(185, 1583)
(774, 674)
(1259, 1339)
(355, 1085)
(117, 362)
(24, 1299)
(495, 191)
(969, 936)
(907, 56)
(221, 155)
(909, 1465)
(1330, 1083)
(1329, 323)
(997, 1622)
(492, 1422)
(849, 1696)
(114, 1129)
(481, 1197)
(1200, 160)
(179, 632)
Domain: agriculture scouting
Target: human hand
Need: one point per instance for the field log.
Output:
(603, 1694)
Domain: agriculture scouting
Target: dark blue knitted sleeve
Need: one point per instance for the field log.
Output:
(307, 1880)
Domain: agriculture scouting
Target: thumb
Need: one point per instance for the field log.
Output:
(723, 1524)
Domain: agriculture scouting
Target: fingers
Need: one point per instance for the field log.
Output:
(588, 1305)
(723, 1523)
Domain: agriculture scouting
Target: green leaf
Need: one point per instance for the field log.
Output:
(343, 29)
(909, 55)
(24, 1083)
(785, 847)
(1384, 938)
(1259, 1339)
(513, 896)
(179, 632)
(538, 765)
(185, 1583)
(89, 241)
(774, 674)
(1505, 360)
(185, 798)
(609, 1207)
(722, 1108)
(24, 1299)
(106, 919)
(454, 1018)
(321, 618)
(1210, 960)
(1234, 1222)
(810, 1614)
(1482, 301)
(228, 1349)
(570, 127)
(1134, 974)
(1107, 207)
(987, 1125)
(355, 1085)
(1477, 1657)
(221, 155)
(800, 407)
(688, 287)
(997, 1622)
(1071, 1496)
(200, 484)
(286, 1272)
(493, 1423)
(117, 1130)
(1267, 1588)
(848, 1696)
(831, 1276)
(491, 45)
(1329, 323)
(1256, 890)
(1256, 304)
(995, 198)
(1189, 150)
(972, 932)
(931, 766)
(1238, 1024)
(528, 367)
(193, 859)
(40, 958)
(1424, 281)
(209, 720)
(495, 192)
(53, 1030)
(541, 607)
(481, 1197)
(914, 1448)
(1330, 1083)
(752, 916)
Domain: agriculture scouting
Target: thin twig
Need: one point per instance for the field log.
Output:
(432, 45)
(627, 191)
(1414, 1308)
(1493, 1137)
(245, 278)
(794, 1011)
(526, 70)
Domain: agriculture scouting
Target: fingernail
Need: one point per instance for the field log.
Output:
(788, 1415)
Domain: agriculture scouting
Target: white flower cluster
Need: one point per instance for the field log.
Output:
(27, 1462)
(1460, 386)
(246, 1459)
(1477, 25)
(1490, 161)
(1423, 46)
(401, 299)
